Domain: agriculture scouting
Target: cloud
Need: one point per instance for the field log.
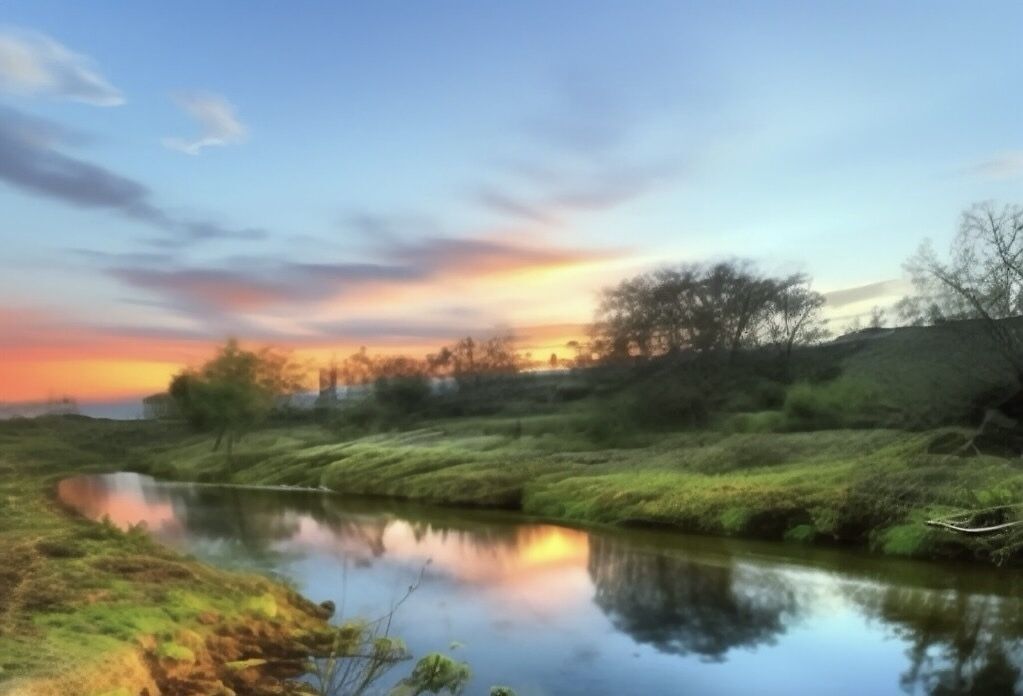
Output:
(254, 285)
(1005, 165)
(863, 293)
(508, 205)
(580, 161)
(444, 256)
(587, 118)
(32, 160)
(605, 186)
(217, 121)
(394, 331)
(32, 63)
(215, 288)
(186, 231)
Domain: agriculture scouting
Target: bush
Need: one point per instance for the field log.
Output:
(755, 395)
(402, 395)
(842, 403)
(760, 422)
(678, 403)
(363, 414)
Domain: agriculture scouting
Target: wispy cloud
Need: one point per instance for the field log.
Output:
(864, 293)
(32, 159)
(218, 124)
(33, 63)
(1004, 165)
(209, 293)
(579, 162)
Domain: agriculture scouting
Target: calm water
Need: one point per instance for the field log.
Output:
(554, 610)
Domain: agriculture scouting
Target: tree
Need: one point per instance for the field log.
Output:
(469, 360)
(401, 384)
(982, 279)
(235, 390)
(357, 368)
(795, 318)
(878, 318)
(717, 309)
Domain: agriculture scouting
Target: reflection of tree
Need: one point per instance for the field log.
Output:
(959, 643)
(255, 519)
(683, 606)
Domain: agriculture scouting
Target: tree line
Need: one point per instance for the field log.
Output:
(466, 360)
(715, 310)
(706, 309)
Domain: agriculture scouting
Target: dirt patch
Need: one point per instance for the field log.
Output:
(145, 568)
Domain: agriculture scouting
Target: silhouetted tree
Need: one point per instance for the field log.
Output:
(235, 390)
(981, 279)
(795, 318)
(716, 309)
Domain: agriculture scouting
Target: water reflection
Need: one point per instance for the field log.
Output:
(681, 605)
(958, 643)
(562, 611)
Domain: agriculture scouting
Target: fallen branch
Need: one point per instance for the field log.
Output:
(973, 530)
(955, 523)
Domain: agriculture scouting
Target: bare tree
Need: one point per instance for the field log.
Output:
(795, 316)
(878, 317)
(716, 309)
(982, 278)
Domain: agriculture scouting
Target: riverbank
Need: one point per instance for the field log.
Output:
(864, 488)
(90, 609)
(93, 608)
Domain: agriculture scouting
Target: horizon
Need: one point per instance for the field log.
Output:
(396, 177)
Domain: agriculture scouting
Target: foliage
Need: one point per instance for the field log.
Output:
(469, 361)
(715, 309)
(981, 279)
(435, 673)
(235, 390)
(842, 403)
(402, 395)
(360, 655)
(794, 317)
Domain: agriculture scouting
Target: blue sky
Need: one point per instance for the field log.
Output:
(392, 173)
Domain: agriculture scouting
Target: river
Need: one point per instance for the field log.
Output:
(549, 609)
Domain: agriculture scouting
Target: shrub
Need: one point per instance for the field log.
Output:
(402, 395)
(762, 422)
(756, 395)
(842, 403)
(671, 404)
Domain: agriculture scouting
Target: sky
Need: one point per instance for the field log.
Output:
(322, 176)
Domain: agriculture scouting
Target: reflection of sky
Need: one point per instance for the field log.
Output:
(520, 598)
(122, 500)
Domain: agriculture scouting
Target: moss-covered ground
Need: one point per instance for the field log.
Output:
(88, 609)
(79, 596)
(873, 488)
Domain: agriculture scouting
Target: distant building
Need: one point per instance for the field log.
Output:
(57, 406)
(159, 406)
(328, 387)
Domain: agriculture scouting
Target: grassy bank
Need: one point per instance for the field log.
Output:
(91, 608)
(87, 609)
(868, 488)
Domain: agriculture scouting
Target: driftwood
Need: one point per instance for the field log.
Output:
(958, 523)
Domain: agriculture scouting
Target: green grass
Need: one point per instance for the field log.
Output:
(930, 375)
(872, 488)
(81, 591)
(78, 593)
